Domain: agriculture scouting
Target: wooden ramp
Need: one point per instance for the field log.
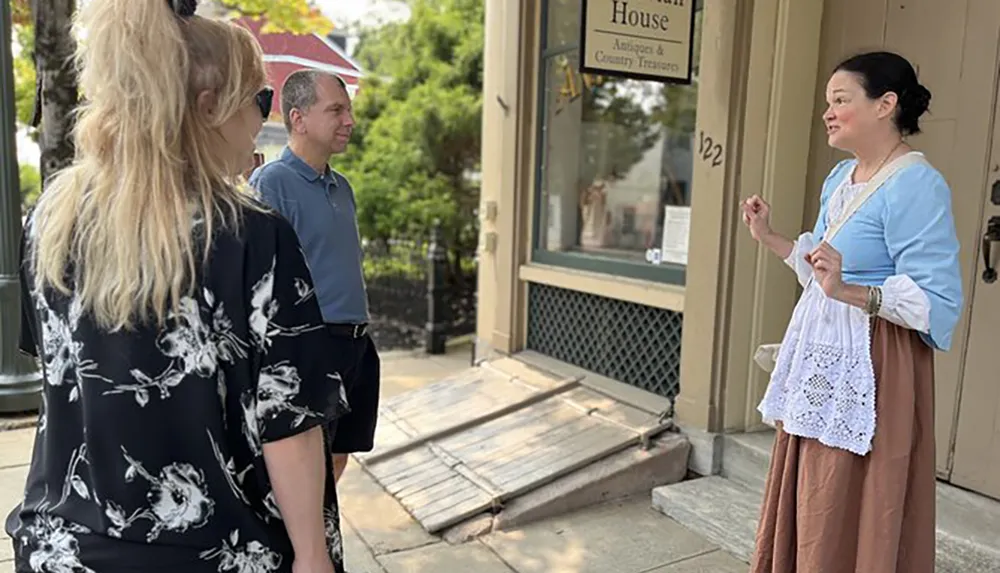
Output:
(470, 442)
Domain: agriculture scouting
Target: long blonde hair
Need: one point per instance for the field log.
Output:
(122, 217)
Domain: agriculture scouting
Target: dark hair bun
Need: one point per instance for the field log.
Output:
(183, 8)
(913, 103)
(919, 97)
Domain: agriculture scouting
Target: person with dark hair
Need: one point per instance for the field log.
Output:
(187, 387)
(851, 486)
(319, 202)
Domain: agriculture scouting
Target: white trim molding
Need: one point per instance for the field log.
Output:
(340, 52)
(286, 59)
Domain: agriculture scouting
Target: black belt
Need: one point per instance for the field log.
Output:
(349, 330)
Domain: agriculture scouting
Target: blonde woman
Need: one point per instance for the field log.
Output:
(186, 381)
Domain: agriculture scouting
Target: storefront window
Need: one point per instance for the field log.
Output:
(615, 162)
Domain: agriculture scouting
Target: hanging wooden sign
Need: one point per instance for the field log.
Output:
(638, 39)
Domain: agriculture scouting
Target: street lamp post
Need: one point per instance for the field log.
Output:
(20, 381)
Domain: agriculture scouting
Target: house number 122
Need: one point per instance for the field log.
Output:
(709, 149)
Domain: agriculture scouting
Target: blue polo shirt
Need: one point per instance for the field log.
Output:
(321, 207)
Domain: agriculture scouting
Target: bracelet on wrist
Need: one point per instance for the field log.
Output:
(874, 304)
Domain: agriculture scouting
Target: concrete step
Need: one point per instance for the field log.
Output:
(718, 509)
(967, 523)
(746, 457)
(726, 513)
(968, 531)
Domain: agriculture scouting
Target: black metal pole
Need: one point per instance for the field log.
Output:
(436, 329)
(20, 381)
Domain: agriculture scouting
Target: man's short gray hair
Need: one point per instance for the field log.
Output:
(299, 91)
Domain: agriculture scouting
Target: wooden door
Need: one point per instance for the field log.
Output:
(954, 46)
(976, 450)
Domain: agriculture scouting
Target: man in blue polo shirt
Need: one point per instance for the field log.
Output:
(319, 202)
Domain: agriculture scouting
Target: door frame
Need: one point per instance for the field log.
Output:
(979, 92)
(962, 424)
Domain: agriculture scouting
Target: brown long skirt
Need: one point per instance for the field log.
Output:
(827, 510)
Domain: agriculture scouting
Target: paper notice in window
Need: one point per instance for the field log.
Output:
(676, 230)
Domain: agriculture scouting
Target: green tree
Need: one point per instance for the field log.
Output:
(416, 156)
(44, 35)
(31, 185)
(295, 16)
(24, 66)
(617, 130)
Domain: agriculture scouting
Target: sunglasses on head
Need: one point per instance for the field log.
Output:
(264, 99)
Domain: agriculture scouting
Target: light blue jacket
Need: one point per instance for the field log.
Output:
(905, 228)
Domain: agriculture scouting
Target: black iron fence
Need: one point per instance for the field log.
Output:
(421, 291)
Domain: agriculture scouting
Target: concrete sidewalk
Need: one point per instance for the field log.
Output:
(624, 536)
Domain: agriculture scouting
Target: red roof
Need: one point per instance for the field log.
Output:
(285, 53)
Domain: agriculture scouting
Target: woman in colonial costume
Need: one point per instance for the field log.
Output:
(851, 487)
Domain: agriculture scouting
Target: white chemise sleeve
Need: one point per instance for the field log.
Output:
(797, 260)
(906, 304)
(903, 302)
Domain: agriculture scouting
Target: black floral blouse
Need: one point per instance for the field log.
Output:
(148, 455)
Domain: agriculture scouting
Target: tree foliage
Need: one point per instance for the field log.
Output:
(416, 152)
(20, 11)
(31, 184)
(617, 130)
(296, 16)
(24, 70)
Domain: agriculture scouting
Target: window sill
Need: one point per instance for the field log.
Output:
(648, 293)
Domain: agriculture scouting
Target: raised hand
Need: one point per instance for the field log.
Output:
(757, 217)
(827, 265)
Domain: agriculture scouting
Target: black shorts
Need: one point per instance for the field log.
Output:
(360, 368)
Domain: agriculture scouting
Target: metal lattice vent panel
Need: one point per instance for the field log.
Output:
(628, 342)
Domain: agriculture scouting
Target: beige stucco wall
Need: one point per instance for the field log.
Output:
(765, 64)
(749, 55)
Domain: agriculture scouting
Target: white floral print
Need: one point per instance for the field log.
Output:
(271, 504)
(190, 345)
(57, 549)
(177, 496)
(74, 482)
(62, 352)
(277, 388)
(155, 436)
(334, 542)
(228, 345)
(190, 341)
(252, 557)
(304, 290)
(194, 347)
(228, 467)
(265, 308)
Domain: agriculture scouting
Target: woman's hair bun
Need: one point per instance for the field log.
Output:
(183, 8)
(913, 103)
(919, 98)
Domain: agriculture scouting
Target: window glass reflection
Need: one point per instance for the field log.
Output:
(616, 157)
